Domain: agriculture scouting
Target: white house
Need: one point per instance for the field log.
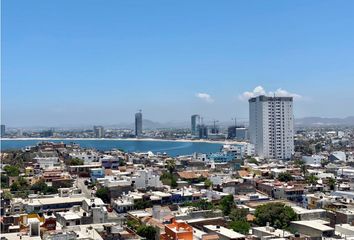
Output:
(145, 178)
(314, 160)
(88, 156)
(47, 162)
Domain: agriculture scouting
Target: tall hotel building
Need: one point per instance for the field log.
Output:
(194, 124)
(138, 124)
(271, 126)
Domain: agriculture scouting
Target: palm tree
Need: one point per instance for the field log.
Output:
(171, 165)
(332, 183)
(311, 179)
(303, 168)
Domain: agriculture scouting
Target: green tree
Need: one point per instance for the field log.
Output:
(133, 224)
(311, 179)
(121, 162)
(208, 183)
(12, 171)
(42, 187)
(147, 232)
(299, 162)
(318, 147)
(332, 183)
(324, 162)
(285, 177)
(20, 188)
(303, 169)
(7, 195)
(239, 222)
(227, 203)
(277, 214)
(171, 165)
(142, 204)
(169, 179)
(238, 214)
(240, 226)
(4, 181)
(66, 184)
(302, 165)
(103, 193)
(202, 204)
(174, 182)
(51, 190)
(23, 182)
(200, 179)
(252, 160)
(15, 187)
(39, 186)
(75, 162)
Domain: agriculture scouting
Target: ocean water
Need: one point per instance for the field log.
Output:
(172, 148)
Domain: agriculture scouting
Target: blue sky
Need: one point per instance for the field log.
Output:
(98, 62)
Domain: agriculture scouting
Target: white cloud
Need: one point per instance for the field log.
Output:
(259, 90)
(205, 97)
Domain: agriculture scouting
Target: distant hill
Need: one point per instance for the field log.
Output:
(321, 121)
(149, 124)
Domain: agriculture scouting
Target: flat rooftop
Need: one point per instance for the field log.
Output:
(300, 210)
(55, 200)
(315, 224)
(16, 236)
(224, 231)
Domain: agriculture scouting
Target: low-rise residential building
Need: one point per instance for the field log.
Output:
(267, 232)
(223, 233)
(47, 162)
(177, 230)
(315, 229)
(51, 204)
(144, 179)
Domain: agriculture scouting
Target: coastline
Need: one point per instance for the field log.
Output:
(126, 139)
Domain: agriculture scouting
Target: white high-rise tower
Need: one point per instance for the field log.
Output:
(271, 126)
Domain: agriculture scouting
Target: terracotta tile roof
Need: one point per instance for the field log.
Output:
(243, 173)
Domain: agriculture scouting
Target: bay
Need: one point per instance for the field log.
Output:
(172, 148)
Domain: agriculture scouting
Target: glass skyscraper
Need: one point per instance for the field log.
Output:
(138, 124)
(194, 124)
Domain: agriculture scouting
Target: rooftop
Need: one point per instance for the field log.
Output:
(55, 200)
(224, 231)
(315, 224)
